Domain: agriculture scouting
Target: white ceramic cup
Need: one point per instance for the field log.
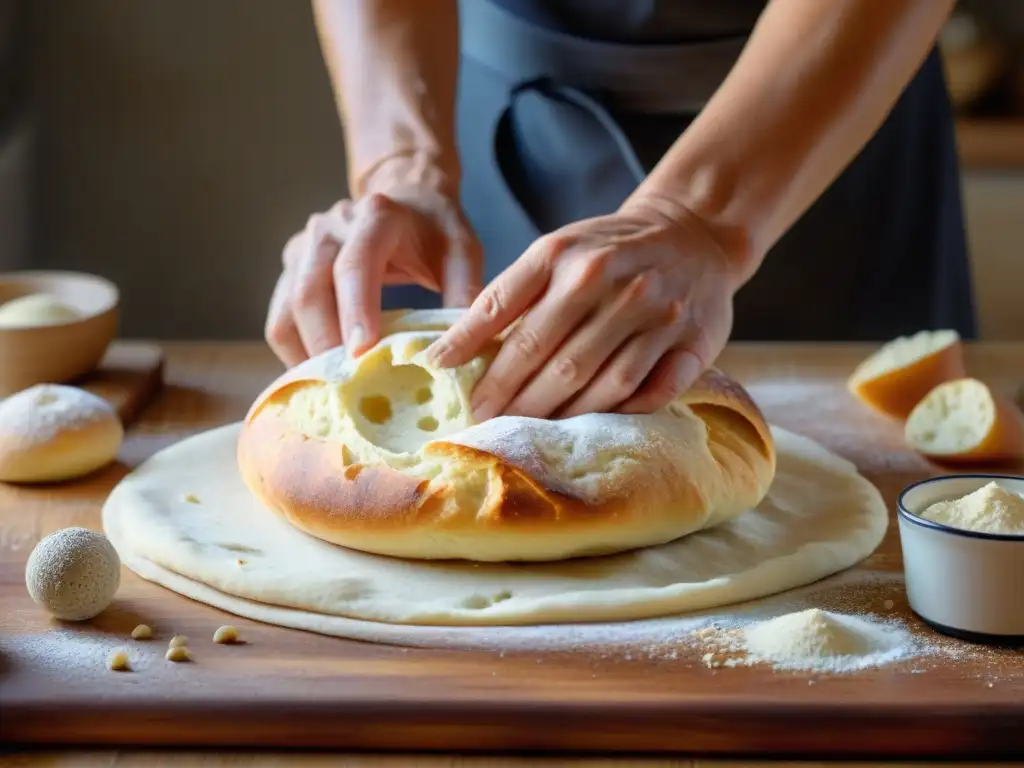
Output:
(963, 583)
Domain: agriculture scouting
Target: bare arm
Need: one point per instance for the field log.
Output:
(393, 65)
(814, 83)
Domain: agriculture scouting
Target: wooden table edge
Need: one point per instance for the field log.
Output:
(776, 729)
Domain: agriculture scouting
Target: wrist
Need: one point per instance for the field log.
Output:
(408, 168)
(732, 244)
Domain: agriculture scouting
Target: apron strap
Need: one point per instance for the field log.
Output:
(615, 185)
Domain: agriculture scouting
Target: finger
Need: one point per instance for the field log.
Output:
(627, 370)
(411, 264)
(312, 289)
(507, 297)
(463, 270)
(673, 375)
(360, 268)
(280, 331)
(535, 338)
(576, 363)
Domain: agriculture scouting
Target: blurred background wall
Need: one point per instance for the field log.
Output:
(179, 143)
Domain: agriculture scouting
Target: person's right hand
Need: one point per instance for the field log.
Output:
(400, 231)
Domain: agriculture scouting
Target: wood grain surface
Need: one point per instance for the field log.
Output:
(285, 688)
(128, 377)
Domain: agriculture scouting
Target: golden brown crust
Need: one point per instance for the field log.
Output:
(379, 509)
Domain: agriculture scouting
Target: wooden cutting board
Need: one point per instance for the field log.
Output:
(285, 688)
(128, 377)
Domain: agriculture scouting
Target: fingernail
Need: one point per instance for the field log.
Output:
(481, 407)
(437, 353)
(356, 339)
(687, 370)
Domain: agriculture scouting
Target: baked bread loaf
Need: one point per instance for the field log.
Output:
(53, 432)
(381, 454)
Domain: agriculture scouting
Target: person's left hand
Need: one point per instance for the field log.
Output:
(619, 313)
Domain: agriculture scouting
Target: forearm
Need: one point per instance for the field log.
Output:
(814, 83)
(393, 65)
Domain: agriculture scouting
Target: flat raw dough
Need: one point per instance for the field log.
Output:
(186, 520)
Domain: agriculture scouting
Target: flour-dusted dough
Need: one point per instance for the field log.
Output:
(381, 454)
(819, 517)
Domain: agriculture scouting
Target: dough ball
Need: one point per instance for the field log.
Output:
(53, 432)
(36, 309)
(73, 573)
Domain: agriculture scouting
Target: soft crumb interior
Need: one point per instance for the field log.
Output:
(903, 351)
(953, 418)
(390, 408)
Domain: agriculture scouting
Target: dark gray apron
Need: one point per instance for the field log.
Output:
(554, 127)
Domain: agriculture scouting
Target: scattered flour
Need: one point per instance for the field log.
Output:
(990, 509)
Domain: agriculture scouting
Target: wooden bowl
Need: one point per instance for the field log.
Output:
(65, 351)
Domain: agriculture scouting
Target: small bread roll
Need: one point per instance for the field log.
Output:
(896, 377)
(35, 309)
(965, 421)
(53, 432)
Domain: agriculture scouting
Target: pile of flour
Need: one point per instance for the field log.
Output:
(990, 509)
(812, 639)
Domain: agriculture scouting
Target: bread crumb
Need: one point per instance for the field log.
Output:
(178, 641)
(142, 632)
(191, 498)
(226, 634)
(178, 653)
(888, 604)
(118, 660)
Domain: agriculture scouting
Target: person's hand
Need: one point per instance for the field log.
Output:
(619, 313)
(406, 228)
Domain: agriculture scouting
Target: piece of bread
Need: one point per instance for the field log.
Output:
(53, 432)
(895, 378)
(966, 421)
(380, 454)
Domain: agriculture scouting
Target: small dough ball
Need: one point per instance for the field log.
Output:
(178, 653)
(34, 310)
(178, 641)
(73, 573)
(226, 635)
(142, 632)
(118, 660)
(53, 432)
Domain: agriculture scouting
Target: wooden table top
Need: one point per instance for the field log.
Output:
(799, 386)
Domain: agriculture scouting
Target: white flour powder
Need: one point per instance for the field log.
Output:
(811, 639)
(990, 509)
(38, 414)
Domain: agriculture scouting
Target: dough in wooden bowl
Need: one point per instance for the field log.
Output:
(36, 309)
(53, 432)
(381, 454)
